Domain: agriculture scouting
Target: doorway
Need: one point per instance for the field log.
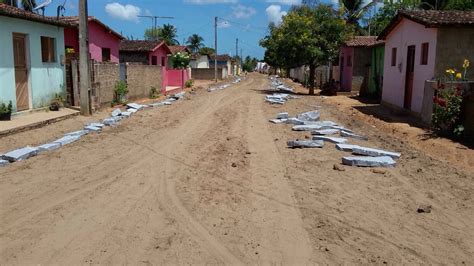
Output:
(21, 72)
(409, 77)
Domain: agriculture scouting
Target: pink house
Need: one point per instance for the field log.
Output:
(103, 41)
(420, 46)
(154, 53)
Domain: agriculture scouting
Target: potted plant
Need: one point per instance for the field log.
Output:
(5, 111)
(57, 102)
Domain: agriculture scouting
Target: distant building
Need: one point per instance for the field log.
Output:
(223, 61)
(32, 59)
(144, 52)
(103, 41)
(419, 46)
(199, 61)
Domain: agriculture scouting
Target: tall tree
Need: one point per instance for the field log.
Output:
(195, 42)
(307, 36)
(169, 33)
(354, 10)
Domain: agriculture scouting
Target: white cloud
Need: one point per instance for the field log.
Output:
(275, 14)
(241, 11)
(123, 12)
(285, 2)
(208, 2)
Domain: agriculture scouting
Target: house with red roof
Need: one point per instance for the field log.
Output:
(353, 69)
(103, 41)
(420, 46)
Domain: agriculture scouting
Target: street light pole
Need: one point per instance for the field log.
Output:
(215, 48)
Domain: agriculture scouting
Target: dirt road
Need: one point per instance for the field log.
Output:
(210, 181)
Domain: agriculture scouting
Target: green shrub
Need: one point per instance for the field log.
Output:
(120, 92)
(189, 83)
(154, 93)
(5, 109)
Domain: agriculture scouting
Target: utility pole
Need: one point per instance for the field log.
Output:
(215, 48)
(236, 47)
(84, 78)
(154, 21)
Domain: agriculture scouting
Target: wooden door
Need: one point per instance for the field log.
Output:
(21, 72)
(409, 77)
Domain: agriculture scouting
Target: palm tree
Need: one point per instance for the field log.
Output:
(195, 43)
(168, 34)
(354, 10)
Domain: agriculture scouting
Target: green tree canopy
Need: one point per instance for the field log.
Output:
(207, 51)
(167, 33)
(307, 36)
(195, 42)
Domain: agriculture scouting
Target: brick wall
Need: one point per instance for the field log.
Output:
(454, 44)
(104, 77)
(140, 79)
(208, 73)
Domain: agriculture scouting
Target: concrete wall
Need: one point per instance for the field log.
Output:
(405, 34)
(45, 79)
(105, 76)
(208, 73)
(454, 44)
(140, 79)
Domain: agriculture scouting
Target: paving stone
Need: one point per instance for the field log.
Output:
(93, 129)
(79, 133)
(3, 162)
(330, 139)
(325, 132)
(179, 95)
(134, 106)
(278, 121)
(167, 103)
(282, 115)
(375, 152)
(346, 147)
(67, 140)
(381, 161)
(101, 125)
(315, 125)
(157, 104)
(305, 143)
(116, 112)
(110, 122)
(352, 135)
(49, 147)
(126, 114)
(294, 121)
(20, 154)
(309, 116)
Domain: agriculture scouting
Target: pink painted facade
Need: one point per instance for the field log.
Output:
(346, 55)
(99, 38)
(408, 33)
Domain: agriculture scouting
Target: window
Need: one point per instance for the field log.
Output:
(163, 61)
(105, 54)
(349, 60)
(48, 49)
(394, 56)
(424, 53)
(154, 60)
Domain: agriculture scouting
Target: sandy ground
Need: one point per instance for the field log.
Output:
(210, 181)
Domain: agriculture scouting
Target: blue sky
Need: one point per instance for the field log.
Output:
(243, 19)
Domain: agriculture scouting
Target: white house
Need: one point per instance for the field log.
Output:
(199, 61)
